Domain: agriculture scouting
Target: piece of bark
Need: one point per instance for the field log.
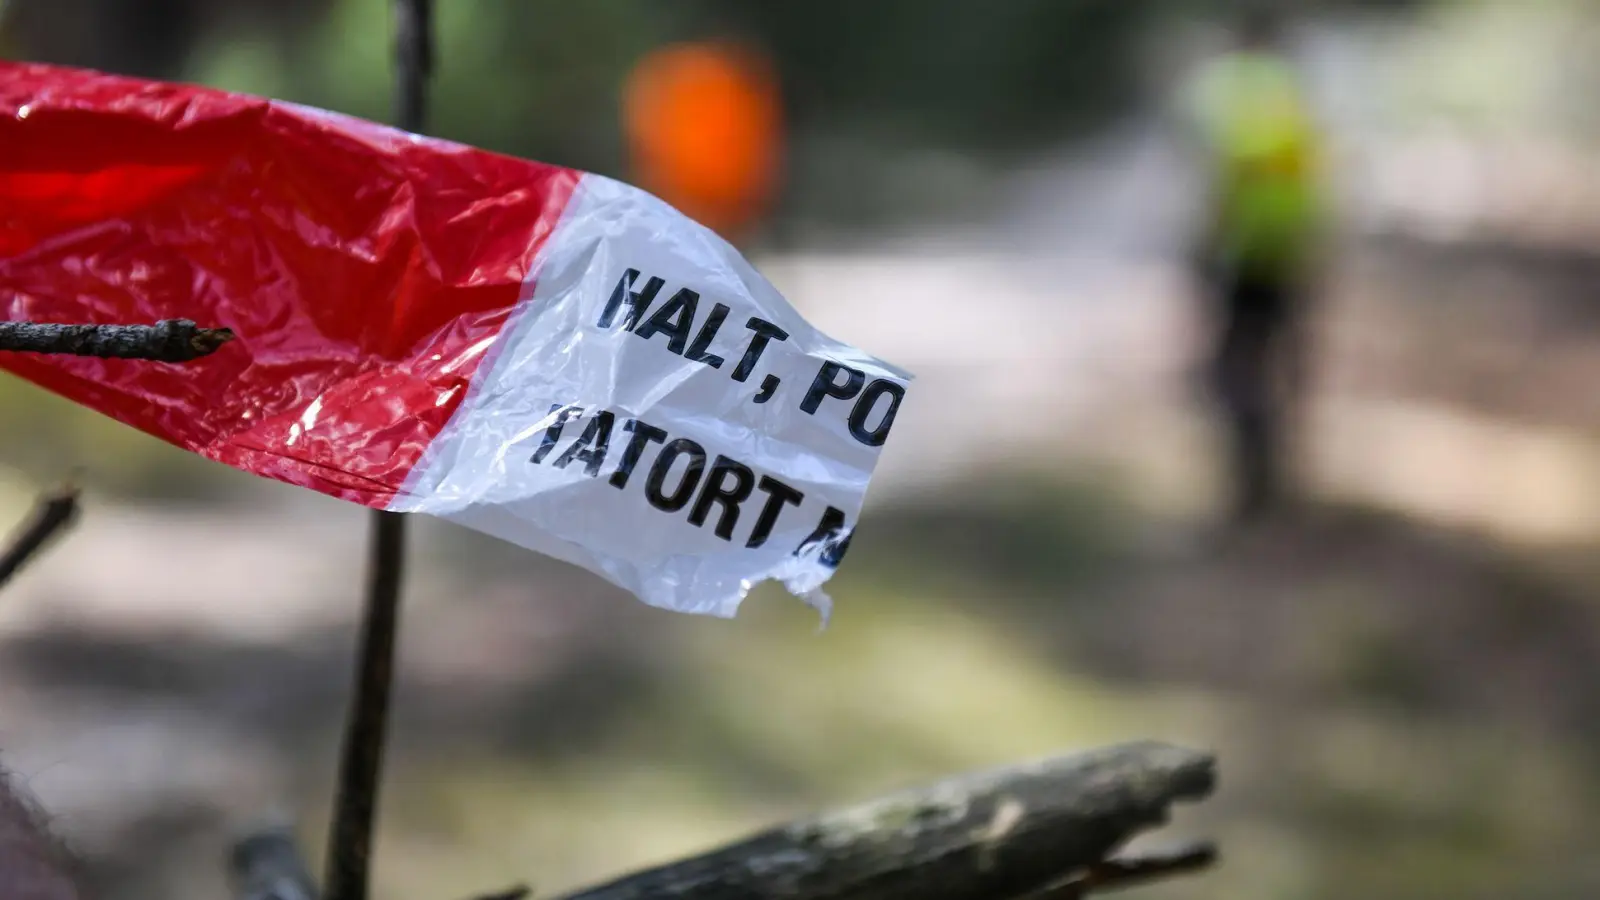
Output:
(992, 835)
(170, 340)
(355, 802)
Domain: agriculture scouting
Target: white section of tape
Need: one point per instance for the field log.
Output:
(657, 413)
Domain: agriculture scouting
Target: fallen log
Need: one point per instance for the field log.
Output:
(1050, 827)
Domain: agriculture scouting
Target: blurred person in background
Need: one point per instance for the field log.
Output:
(1258, 248)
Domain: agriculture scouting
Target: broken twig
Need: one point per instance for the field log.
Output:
(170, 340)
(54, 512)
(355, 800)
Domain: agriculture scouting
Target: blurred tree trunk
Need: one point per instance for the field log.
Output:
(148, 38)
(144, 38)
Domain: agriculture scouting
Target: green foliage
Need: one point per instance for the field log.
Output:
(534, 78)
(951, 72)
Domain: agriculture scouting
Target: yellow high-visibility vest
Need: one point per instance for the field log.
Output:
(1265, 149)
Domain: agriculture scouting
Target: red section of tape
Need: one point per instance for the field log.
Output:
(365, 270)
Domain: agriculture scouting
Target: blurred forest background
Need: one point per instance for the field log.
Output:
(1402, 681)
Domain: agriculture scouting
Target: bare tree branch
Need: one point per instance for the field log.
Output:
(170, 340)
(54, 512)
(355, 800)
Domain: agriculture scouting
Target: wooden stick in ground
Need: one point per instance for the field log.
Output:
(413, 56)
(355, 801)
(54, 512)
(366, 724)
(170, 340)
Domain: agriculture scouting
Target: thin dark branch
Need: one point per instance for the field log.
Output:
(413, 54)
(54, 512)
(366, 724)
(170, 340)
(355, 799)
(994, 835)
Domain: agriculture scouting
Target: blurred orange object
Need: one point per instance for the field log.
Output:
(703, 122)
